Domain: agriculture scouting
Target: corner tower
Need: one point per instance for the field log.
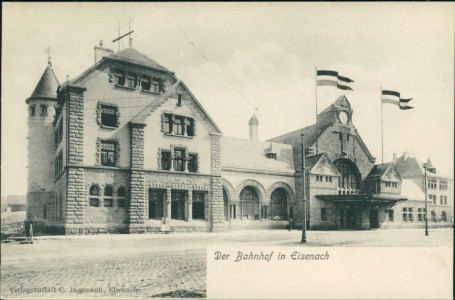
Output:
(41, 146)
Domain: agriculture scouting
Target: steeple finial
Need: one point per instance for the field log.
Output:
(48, 50)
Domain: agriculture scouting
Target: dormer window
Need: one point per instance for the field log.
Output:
(156, 85)
(146, 83)
(270, 152)
(131, 80)
(120, 78)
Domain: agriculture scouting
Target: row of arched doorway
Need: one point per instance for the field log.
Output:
(249, 206)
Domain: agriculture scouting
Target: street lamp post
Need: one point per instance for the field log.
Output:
(432, 170)
(303, 190)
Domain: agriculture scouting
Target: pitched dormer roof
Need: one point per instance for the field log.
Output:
(47, 86)
(380, 170)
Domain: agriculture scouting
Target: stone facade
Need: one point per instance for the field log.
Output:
(131, 150)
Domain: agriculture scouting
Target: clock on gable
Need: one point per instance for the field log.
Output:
(343, 117)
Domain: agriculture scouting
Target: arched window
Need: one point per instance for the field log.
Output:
(278, 203)
(108, 193)
(444, 216)
(349, 175)
(121, 197)
(250, 203)
(94, 196)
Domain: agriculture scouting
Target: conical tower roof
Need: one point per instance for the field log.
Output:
(47, 85)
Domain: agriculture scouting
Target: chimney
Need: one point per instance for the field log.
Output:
(101, 52)
(394, 158)
(253, 123)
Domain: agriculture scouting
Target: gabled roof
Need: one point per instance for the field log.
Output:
(321, 159)
(311, 160)
(47, 85)
(249, 155)
(140, 118)
(409, 166)
(324, 120)
(131, 55)
(378, 171)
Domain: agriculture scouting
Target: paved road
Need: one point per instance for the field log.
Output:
(144, 266)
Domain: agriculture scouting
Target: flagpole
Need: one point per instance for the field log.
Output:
(316, 93)
(382, 132)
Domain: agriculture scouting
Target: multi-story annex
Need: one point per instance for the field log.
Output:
(126, 145)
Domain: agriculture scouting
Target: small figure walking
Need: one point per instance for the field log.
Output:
(29, 231)
(290, 224)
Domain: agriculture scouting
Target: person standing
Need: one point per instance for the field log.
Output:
(29, 231)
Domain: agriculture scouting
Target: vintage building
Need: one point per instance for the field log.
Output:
(126, 144)
(411, 213)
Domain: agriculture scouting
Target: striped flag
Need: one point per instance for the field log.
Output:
(393, 97)
(326, 77)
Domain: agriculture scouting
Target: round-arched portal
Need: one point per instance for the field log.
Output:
(350, 179)
(279, 204)
(249, 200)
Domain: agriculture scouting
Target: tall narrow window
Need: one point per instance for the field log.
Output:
(94, 196)
(43, 110)
(190, 127)
(32, 110)
(178, 205)
(179, 159)
(131, 80)
(192, 163)
(157, 200)
(168, 123)
(107, 153)
(420, 214)
(108, 192)
(165, 160)
(198, 205)
(178, 126)
(179, 99)
(121, 197)
(156, 85)
(120, 78)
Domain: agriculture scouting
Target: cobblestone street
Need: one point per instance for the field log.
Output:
(144, 266)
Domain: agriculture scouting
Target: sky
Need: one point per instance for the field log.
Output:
(244, 58)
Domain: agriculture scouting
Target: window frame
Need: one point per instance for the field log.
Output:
(121, 198)
(179, 161)
(43, 111)
(94, 197)
(193, 162)
(105, 153)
